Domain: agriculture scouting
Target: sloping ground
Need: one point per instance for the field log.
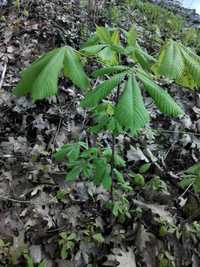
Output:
(55, 223)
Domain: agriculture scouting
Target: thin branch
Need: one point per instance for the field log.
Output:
(186, 190)
(9, 198)
(3, 75)
(178, 132)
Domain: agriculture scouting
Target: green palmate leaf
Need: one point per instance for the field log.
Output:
(161, 98)
(118, 49)
(117, 159)
(103, 34)
(192, 64)
(61, 153)
(170, 62)
(73, 174)
(102, 90)
(93, 40)
(109, 70)
(71, 151)
(73, 69)
(108, 56)
(41, 78)
(130, 110)
(93, 50)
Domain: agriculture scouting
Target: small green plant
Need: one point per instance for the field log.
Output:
(30, 261)
(138, 179)
(167, 228)
(67, 243)
(166, 260)
(61, 194)
(192, 229)
(120, 207)
(91, 162)
(191, 177)
(157, 184)
(93, 234)
(4, 249)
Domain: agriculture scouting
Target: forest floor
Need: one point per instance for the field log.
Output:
(46, 221)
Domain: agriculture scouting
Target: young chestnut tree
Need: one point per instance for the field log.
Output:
(116, 102)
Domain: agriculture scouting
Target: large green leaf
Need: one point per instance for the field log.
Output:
(130, 110)
(73, 69)
(41, 78)
(161, 98)
(170, 62)
(102, 90)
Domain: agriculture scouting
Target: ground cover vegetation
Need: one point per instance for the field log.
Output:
(91, 170)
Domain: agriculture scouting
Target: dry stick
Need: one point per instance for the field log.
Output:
(178, 132)
(9, 198)
(186, 190)
(57, 131)
(3, 75)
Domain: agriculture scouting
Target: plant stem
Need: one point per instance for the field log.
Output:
(112, 164)
(116, 97)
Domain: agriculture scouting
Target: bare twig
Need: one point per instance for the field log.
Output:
(9, 198)
(178, 132)
(153, 160)
(186, 190)
(3, 75)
